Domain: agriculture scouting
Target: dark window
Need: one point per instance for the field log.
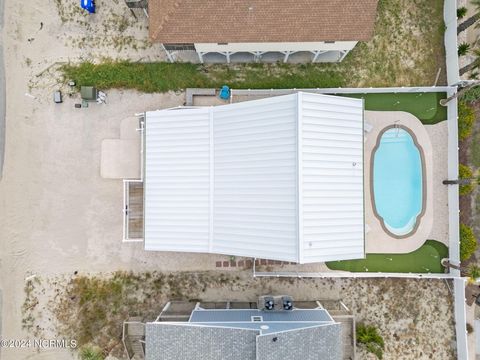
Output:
(329, 42)
(222, 43)
(177, 47)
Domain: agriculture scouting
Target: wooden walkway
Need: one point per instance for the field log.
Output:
(135, 210)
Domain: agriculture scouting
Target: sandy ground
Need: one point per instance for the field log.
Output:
(469, 36)
(57, 214)
(411, 327)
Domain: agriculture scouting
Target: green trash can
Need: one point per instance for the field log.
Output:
(88, 93)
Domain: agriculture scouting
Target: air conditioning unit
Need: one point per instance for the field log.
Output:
(275, 303)
(266, 303)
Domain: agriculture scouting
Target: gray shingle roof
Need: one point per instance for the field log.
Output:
(191, 342)
(230, 334)
(318, 343)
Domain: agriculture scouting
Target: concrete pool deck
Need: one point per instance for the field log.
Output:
(434, 222)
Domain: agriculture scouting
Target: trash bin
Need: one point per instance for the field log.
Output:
(89, 93)
(57, 97)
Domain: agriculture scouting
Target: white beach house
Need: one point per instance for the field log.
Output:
(260, 30)
(278, 178)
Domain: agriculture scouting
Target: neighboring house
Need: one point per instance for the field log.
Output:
(279, 178)
(260, 30)
(245, 331)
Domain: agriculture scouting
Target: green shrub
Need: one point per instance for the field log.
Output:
(91, 353)
(461, 12)
(466, 118)
(469, 328)
(471, 95)
(463, 49)
(468, 242)
(465, 172)
(368, 335)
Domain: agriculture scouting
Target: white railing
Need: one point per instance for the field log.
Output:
(351, 275)
(127, 182)
(460, 318)
(451, 43)
(333, 91)
(453, 200)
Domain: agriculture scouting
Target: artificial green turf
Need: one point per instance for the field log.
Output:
(423, 260)
(424, 106)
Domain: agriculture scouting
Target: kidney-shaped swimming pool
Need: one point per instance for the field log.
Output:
(398, 178)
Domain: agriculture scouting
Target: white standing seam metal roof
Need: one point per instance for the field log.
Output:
(278, 178)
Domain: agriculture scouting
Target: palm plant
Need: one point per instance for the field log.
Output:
(473, 273)
(369, 336)
(463, 49)
(472, 19)
(461, 12)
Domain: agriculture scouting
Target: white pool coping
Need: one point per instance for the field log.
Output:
(378, 240)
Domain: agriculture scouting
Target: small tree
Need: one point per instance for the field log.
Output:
(468, 242)
(466, 118)
(463, 49)
(369, 336)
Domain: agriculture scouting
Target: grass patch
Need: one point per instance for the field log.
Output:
(162, 77)
(423, 260)
(406, 50)
(425, 106)
(475, 150)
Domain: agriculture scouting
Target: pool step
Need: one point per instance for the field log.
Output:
(391, 136)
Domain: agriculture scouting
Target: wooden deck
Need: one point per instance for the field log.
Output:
(135, 210)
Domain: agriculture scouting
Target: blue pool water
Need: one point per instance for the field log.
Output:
(397, 181)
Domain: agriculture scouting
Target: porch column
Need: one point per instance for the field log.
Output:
(287, 54)
(200, 56)
(227, 54)
(258, 55)
(169, 55)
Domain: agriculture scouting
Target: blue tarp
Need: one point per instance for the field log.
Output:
(88, 5)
